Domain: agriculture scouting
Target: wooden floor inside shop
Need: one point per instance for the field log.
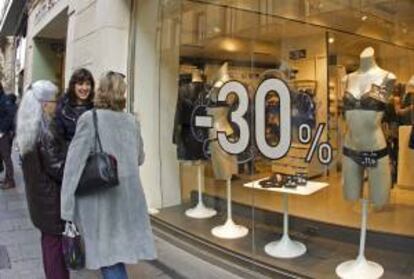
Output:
(327, 205)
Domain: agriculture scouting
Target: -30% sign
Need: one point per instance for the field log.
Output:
(237, 117)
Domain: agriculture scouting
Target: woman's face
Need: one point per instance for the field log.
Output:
(83, 90)
(49, 108)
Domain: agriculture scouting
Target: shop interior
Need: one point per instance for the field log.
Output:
(314, 59)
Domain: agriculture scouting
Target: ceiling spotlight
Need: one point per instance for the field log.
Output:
(364, 17)
(331, 40)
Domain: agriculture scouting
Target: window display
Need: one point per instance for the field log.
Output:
(264, 109)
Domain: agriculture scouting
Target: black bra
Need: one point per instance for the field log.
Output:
(374, 99)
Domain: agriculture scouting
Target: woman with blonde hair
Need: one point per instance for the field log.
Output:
(114, 223)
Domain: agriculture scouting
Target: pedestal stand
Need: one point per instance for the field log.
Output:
(285, 247)
(229, 230)
(200, 211)
(153, 211)
(360, 268)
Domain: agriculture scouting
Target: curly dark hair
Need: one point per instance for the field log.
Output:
(79, 76)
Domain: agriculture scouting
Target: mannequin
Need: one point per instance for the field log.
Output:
(365, 149)
(224, 164)
(190, 95)
(366, 94)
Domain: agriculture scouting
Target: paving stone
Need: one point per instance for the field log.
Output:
(16, 224)
(85, 274)
(19, 237)
(4, 258)
(32, 274)
(32, 265)
(10, 274)
(15, 205)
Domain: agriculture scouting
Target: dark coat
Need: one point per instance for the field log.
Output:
(7, 114)
(43, 173)
(67, 115)
(190, 97)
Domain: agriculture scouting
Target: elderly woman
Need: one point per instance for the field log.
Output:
(43, 154)
(114, 224)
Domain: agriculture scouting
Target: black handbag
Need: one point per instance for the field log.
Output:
(101, 169)
(73, 251)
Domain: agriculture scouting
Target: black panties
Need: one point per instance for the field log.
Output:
(365, 158)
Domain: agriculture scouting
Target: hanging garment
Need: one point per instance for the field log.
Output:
(188, 138)
(303, 109)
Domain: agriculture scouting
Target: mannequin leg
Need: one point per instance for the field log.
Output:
(380, 182)
(353, 176)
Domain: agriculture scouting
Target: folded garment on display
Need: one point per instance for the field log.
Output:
(279, 180)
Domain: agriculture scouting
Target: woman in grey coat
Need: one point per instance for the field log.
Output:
(114, 224)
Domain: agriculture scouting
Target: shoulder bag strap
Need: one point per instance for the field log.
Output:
(97, 138)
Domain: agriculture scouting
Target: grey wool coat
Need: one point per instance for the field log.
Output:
(114, 224)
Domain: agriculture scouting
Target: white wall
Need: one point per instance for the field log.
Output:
(160, 173)
(146, 97)
(98, 36)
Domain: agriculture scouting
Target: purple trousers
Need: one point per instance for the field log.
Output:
(53, 260)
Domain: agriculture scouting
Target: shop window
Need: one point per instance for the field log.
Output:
(349, 114)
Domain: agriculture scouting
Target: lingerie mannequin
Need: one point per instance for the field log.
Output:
(365, 147)
(224, 164)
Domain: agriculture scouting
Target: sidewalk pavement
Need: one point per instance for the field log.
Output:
(20, 253)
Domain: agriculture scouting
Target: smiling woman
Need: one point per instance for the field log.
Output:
(75, 102)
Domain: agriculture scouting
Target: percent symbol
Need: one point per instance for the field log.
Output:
(324, 148)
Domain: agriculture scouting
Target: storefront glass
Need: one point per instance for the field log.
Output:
(318, 115)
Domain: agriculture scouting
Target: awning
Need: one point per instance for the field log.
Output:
(14, 17)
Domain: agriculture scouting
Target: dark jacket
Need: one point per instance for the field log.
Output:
(43, 172)
(67, 115)
(7, 113)
(186, 136)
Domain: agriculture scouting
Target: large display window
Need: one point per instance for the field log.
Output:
(286, 131)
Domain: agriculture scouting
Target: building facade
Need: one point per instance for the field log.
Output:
(246, 105)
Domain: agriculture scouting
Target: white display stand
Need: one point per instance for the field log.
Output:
(153, 211)
(285, 247)
(229, 230)
(200, 211)
(361, 268)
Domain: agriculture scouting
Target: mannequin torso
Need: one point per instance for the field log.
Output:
(224, 164)
(365, 148)
(369, 87)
